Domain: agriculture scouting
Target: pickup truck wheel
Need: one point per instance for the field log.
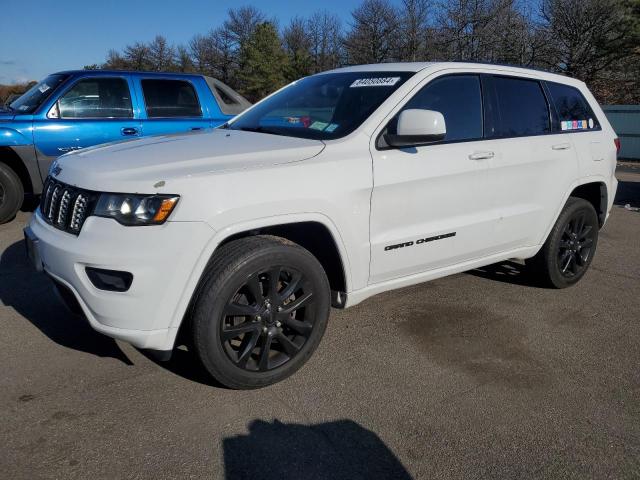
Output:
(11, 193)
(570, 247)
(261, 311)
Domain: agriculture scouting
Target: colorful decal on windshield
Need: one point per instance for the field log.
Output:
(43, 88)
(318, 125)
(331, 127)
(375, 82)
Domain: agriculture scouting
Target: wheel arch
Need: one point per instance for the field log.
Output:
(287, 226)
(9, 157)
(592, 189)
(314, 237)
(594, 192)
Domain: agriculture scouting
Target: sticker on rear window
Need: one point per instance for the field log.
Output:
(43, 88)
(375, 82)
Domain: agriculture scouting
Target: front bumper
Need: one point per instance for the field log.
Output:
(161, 258)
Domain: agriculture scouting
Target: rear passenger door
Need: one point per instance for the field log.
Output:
(170, 105)
(532, 166)
(577, 121)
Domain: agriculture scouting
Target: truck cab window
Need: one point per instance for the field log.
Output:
(97, 98)
(170, 98)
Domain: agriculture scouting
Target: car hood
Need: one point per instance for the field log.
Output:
(137, 165)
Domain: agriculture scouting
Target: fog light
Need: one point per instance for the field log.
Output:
(110, 280)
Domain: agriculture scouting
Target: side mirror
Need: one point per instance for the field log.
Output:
(416, 127)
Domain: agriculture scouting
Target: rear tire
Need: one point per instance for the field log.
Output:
(11, 193)
(260, 312)
(569, 248)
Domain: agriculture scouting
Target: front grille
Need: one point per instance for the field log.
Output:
(65, 207)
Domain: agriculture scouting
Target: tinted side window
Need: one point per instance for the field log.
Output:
(97, 98)
(459, 100)
(170, 98)
(573, 109)
(521, 108)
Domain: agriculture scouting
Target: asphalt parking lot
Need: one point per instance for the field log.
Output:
(477, 375)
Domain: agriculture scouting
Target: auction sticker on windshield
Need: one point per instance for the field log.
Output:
(375, 82)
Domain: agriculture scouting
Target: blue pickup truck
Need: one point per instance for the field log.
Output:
(76, 109)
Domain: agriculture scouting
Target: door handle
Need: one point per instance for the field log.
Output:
(195, 129)
(562, 146)
(481, 155)
(129, 131)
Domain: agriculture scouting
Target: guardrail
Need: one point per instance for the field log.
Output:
(625, 120)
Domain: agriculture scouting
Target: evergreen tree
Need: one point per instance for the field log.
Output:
(263, 63)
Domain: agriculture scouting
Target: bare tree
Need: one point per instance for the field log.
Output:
(137, 56)
(325, 34)
(414, 18)
(297, 45)
(225, 56)
(374, 32)
(116, 61)
(464, 28)
(589, 36)
(242, 22)
(184, 62)
(162, 56)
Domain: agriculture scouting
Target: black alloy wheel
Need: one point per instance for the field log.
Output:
(575, 246)
(267, 321)
(570, 247)
(260, 311)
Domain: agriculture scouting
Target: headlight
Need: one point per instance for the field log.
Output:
(133, 210)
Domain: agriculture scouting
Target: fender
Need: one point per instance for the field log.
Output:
(572, 187)
(12, 137)
(221, 235)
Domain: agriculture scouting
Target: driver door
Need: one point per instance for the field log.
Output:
(92, 111)
(430, 205)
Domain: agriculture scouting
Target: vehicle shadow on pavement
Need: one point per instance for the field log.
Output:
(507, 272)
(32, 296)
(333, 450)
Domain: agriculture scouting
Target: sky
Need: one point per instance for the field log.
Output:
(38, 37)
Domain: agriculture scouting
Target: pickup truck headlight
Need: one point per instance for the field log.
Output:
(132, 210)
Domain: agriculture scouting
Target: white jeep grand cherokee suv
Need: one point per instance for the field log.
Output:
(337, 187)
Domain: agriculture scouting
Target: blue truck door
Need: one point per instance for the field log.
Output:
(90, 111)
(170, 105)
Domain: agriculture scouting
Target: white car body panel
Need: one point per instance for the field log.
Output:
(231, 182)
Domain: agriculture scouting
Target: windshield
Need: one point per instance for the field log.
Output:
(33, 98)
(323, 107)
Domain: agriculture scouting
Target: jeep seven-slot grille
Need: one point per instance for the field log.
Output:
(65, 207)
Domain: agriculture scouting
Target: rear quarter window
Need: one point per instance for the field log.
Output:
(573, 110)
(229, 101)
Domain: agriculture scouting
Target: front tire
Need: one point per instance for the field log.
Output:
(569, 248)
(260, 312)
(11, 193)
